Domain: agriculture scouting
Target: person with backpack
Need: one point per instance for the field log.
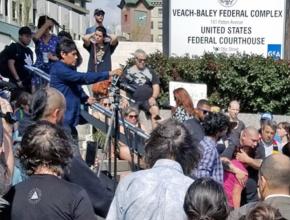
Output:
(14, 57)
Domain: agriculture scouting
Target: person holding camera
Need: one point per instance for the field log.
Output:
(45, 44)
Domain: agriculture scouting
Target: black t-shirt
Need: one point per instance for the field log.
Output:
(235, 132)
(46, 197)
(195, 129)
(22, 56)
(104, 63)
(142, 81)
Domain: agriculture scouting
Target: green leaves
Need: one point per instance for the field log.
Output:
(261, 84)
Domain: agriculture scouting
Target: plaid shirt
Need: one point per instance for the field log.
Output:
(210, 164)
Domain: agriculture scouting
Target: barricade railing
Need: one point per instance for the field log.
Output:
(138, 135)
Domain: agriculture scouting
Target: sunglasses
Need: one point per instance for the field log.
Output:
(106, 104)
(141, 60)
(100, 14)
(132, 116)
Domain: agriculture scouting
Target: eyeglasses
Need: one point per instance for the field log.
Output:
(106, 104)
(140, 60)
(132, 116)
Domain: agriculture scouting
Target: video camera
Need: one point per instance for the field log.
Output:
(117, 83)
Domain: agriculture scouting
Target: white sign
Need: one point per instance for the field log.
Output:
(195, 91)
(228, 26)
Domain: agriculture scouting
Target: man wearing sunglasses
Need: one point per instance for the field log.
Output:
(99, 15)
(145, 83)
(194, 124)
(202, 109)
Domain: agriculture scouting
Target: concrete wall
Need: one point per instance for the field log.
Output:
(4, 40)
(126, 49)
(122, 53)
(247, 118)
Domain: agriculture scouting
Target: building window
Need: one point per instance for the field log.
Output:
(152, 37)
(160, 12)
(34, 15)
(152, 25)
(20, 13)
(160, 38)
(159, 24)
(125, 18)
(14, 11)
(6, 7)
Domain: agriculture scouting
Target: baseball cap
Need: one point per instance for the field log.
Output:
(99, 11)
(266, 116)
(25, 30)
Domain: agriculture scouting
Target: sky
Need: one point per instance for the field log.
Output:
(113, 13)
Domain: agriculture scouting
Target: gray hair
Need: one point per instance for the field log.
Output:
(139, 51)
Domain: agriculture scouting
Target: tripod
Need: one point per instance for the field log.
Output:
(113, 134)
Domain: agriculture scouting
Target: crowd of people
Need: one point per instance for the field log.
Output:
(201, 163)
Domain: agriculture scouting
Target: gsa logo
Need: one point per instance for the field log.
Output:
(274, 51)
(227, 3)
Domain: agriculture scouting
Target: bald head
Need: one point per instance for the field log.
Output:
(46, 102)
(249, 137)
(250, 131)
(55, 100)
(276, 171)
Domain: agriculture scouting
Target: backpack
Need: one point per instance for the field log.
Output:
(4, 55)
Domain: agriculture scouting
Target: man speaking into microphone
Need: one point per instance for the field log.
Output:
(68, 81)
